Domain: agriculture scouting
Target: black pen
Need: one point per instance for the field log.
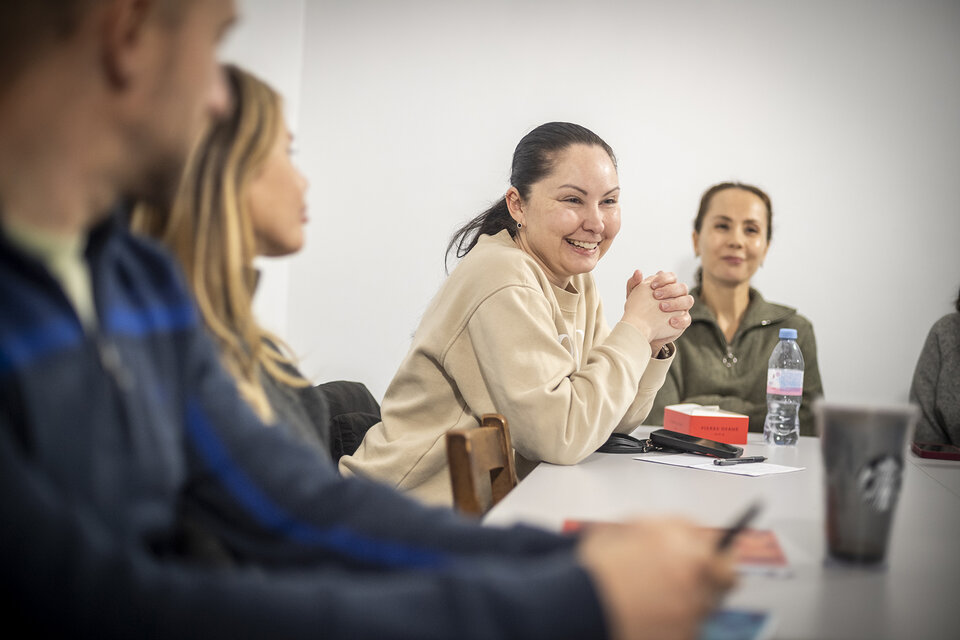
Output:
(744, 459)
(741, 523)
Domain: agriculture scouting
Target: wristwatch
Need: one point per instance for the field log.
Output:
(665, 351)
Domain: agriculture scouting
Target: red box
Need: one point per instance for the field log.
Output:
(711, 423)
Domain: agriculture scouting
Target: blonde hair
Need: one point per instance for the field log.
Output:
(210, 231)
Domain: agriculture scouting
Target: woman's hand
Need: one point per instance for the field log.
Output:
(659, 306)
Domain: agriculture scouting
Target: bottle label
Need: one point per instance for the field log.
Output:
(785, 382)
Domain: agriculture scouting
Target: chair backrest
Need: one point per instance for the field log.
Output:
(482, 468)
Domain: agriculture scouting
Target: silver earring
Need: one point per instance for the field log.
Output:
(519, 225)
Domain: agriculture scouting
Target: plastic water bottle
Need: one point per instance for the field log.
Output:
(784, 391)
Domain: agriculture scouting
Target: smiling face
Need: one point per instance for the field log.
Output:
(571, 216)
(732, 241)
(276, 200)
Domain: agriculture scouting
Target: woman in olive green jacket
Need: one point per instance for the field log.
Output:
(722, 357)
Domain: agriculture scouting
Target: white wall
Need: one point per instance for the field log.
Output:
(268, 41)
(846, 112)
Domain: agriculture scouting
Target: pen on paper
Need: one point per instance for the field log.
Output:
(743, 460)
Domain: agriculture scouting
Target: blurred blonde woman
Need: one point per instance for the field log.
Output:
(241, 196)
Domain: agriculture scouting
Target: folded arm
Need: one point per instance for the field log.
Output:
(558, 412)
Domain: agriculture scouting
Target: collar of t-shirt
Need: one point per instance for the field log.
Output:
(64, 259)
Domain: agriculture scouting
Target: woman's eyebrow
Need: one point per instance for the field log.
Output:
(583, 191)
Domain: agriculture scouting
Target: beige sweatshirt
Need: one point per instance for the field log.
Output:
(499, 337)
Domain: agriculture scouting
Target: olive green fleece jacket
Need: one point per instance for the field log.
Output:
(499, 337)
(709, 371)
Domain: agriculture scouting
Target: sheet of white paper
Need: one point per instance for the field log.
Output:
(693, 461)
(676, 459)
(749, 469)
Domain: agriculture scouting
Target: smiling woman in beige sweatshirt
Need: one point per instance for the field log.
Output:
(518, 328)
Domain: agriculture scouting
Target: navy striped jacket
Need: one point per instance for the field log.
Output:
(109, 439)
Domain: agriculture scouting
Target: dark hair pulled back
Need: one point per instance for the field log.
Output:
(533, 160)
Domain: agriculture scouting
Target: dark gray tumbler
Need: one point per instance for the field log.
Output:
(863, 457)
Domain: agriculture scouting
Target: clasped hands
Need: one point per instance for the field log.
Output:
(658, 305)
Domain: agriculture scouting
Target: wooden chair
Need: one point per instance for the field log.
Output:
(482, 468)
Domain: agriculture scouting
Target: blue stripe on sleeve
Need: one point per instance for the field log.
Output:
(146, 320)
(273, 517)
(19, 349)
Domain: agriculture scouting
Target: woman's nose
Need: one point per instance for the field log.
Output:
(593, 220)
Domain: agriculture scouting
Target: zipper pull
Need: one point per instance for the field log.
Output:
(112, 363)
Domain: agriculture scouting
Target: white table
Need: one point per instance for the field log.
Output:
(916, 595)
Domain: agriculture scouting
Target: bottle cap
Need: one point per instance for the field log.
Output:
(788, 333)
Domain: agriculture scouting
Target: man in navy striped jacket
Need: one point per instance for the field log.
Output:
(118, 425)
